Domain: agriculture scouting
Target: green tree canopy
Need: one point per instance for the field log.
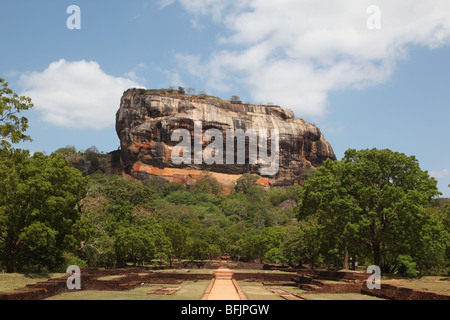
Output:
(372, 198)
(37, 194)
(259, 243)
(12, 126)
(244, 183)
(208, 184)
(126, 190)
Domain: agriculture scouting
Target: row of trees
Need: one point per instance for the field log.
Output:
(113, 221)
(133, 222)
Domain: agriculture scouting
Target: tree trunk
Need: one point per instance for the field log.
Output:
(345, 262)
(377, 255)
(11, 264)
(11, 256)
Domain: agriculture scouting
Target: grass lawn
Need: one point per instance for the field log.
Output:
(437, 284)
(183, 271)
(261, 271)
(189, 291)
(16, 281)
(194, 290)
(256, 291)
(337, 296)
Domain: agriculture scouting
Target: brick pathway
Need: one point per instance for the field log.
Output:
(223, 287)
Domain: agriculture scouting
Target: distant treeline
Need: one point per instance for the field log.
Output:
(91, 217)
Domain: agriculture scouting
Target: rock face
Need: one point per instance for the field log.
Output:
(147, 120)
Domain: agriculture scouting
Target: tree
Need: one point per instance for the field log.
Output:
(245, 183)
(126, 190)
(309, 174)
(208, 184)
(180, 213)
(181, 198)
(310, 240)
(429, 252)
(37, 193)
(235, 206)
(372, 198)
(67, 151)
(277, 195)
(92, 155)
(203, 244)
(235, 99)
(233, 235)
(260, 243)
(291, 247)
(133, 244)
(177, 236)
(12, 127)
(190, 91)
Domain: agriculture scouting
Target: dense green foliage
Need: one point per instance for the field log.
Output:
(39, 199)
(12, 126)
(126, 221)
(372, 207)
(121, 221)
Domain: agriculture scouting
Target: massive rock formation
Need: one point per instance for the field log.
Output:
(147, 120)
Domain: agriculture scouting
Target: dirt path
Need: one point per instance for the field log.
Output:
(223, 287)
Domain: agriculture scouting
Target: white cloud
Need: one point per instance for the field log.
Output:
(175, 80)
(214, 8)
(440, 174)
(294, 52)
(133, 74)
(76, 94)
(164, 3)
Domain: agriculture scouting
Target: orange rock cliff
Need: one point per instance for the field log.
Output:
(147, 120)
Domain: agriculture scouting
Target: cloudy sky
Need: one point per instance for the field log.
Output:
(369, 74)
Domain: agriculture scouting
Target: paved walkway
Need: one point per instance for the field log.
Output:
(223, 287)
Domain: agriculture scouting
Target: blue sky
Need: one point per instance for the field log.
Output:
(364, 88)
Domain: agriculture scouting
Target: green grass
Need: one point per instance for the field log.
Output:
(185, 271)
(189, 291)
(437, 284)
(256, 291)
(194, 290)
(337, 296)
(16, 281)
(261, 271)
